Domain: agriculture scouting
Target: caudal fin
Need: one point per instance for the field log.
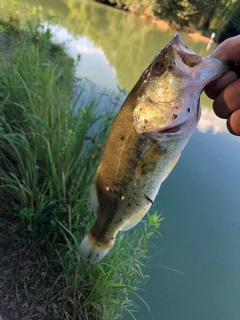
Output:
(92, 250)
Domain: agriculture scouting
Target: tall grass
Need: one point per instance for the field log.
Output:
(49, 152)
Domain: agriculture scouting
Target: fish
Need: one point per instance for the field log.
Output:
(145, 142)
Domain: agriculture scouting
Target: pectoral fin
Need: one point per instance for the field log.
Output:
(150, 160)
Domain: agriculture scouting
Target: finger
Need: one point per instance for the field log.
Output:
(228, 100)
(228, 49)
(214, 88)
(233, 123)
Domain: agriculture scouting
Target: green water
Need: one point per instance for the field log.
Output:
(200, 199)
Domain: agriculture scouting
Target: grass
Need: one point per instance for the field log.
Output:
(49, 151)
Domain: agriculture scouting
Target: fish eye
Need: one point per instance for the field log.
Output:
(159, 68)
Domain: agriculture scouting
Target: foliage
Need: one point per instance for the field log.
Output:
(49, 150)
(230, 24)
(44, 164)
(187, 14)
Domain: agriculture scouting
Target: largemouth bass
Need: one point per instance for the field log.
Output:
(145, 142)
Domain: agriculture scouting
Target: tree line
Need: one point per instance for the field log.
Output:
(221, 16)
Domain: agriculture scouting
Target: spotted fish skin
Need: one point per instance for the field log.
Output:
(145, 142)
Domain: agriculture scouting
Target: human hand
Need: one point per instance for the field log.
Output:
(226, 89)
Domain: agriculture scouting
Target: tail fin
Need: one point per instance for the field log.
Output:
(92, 250)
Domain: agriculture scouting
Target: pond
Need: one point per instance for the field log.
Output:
(196, 274)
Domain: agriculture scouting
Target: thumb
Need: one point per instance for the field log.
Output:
(228, 50)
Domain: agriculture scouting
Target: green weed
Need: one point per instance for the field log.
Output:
(49, 151)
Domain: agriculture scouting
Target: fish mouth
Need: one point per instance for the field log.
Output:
(172, 130)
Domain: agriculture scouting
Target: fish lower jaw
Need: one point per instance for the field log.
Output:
(92, 250)
(172, 130)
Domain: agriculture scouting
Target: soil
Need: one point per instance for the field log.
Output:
(15, 269)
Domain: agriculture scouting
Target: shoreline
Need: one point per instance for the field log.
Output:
(165, 25)
(161, 24)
